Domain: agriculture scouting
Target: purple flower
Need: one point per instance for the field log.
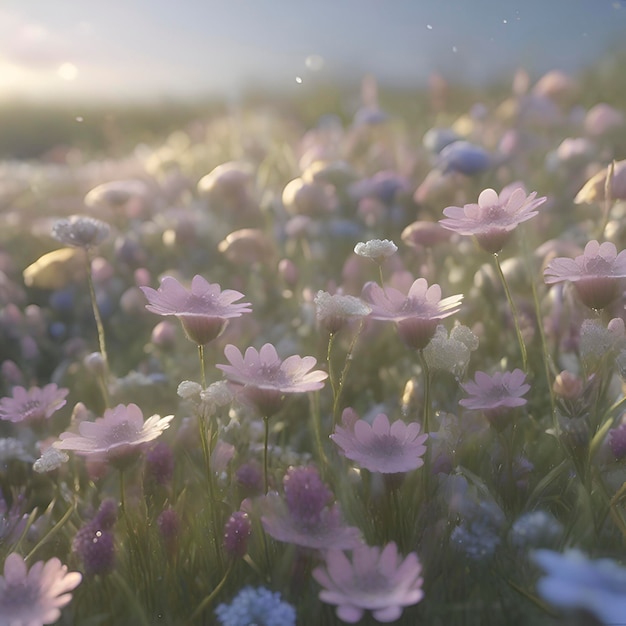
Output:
(115, 436)
(305, 516)
(463, 157)
(35, 596)
(596, 274)
(495, 217)
(94, 543)
(203, 311)
(416, 314)
(236, 534)
(32, 405)
(381, 447)
(265, 378)
(376, 580)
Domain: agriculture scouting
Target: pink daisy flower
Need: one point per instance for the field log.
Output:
(116, 436)
(381, 447)
(264, 378)
(305, 516)
(203, 311)
(416, 314)
(35, 596)
(596, 274)
(377, 580)
(496, 395)
(32, 405)
(495, 217)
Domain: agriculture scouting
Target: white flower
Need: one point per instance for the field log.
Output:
(376, 249)
(189, 390)
(50, 460)
(451, 354)
(80, 231)
(333, 311)
(13, 449)
(216, 395)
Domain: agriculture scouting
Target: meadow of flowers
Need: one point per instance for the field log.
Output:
(357, 373)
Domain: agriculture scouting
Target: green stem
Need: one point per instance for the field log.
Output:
(344, 372)
(518, 331)
(265, 455)
(207, 601)
(202, 367)
(53, 531)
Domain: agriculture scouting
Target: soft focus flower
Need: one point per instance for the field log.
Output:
(32, 405)
(574, 582)
(451, 354)
(495, 217)
(159, 463)
(265, 378)
(305, 516)
(596, 274)
(120, 432)
(376, 249)
(381, 447)
(594, 189)
(416, 314)
(334, 311)
(495, 395)
(377, 580)
(94, 543)
(203, 311)
(535, 529)
(80, 231)
(597, 343)
(50, 460)
(13, 449)
(236, 534)
(257, 606)
(478, 534)
(465, 158)
(36, 596)
(617, 440)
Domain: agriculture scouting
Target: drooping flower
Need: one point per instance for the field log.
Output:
(36, 596)
(574, 582)
(306, 516)
(377, 580)
(334, 311)
(203, 311)
(381, 447)
(32, 405)
(376, 249)
(597, 274)
(116, 436)
(80, 231)
(258, 606)
(416, 314)
(265, 378)
(495, 217)
(496, 395)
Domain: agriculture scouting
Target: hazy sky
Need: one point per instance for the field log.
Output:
(149, 48)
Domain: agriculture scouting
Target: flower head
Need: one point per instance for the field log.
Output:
(495, 217)
(573, 581)
(376, 249)
(203, 311)
(80, 231)
(377, 580)
(265, 378)
(35, 596)
(256, 606)
(334, 311)
(115, 436)
(94, 543)
(236, 534)
(381, 447)
(416, 314)
(465, 158)
(305, 516)
(596, 274)
(32, 405)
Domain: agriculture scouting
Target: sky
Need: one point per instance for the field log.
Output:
(147, 49)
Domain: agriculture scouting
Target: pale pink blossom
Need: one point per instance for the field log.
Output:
(381, 447)
(495, 217)
(36, 596)
(115, 436)
(32, 405)
(203, 311)
(378, 580)
(416, 314)
(265, 378)
(597, 274)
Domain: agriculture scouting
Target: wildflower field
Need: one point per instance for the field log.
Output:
(369, 369)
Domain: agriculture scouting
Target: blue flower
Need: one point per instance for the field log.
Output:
(575, 582)
(256, 607)
(464, 157)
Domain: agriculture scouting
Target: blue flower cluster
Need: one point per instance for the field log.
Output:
(256, 607)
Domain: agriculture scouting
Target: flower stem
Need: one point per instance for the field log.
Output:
(518, 331)
(266, 438)
(202, 367)
(344, 372)
(207, 601)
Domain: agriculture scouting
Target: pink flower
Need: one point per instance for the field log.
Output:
(115, 436)
(377, 580)
(33, 405)
(495, 217)
(381, 447)
(596, 273)
(496, 395)
(265, 378)
(203, 311)
(35, 596)
(305, 516)
(416, 314)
